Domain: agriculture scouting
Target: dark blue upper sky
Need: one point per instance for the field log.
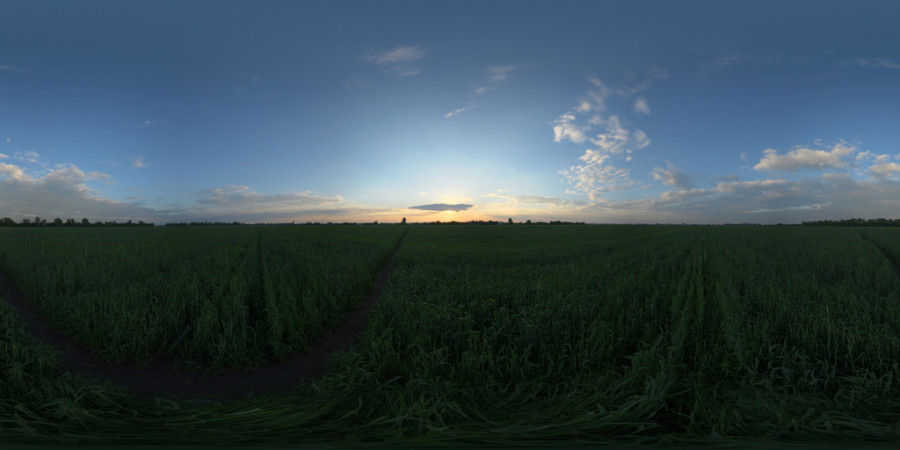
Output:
(601, 111)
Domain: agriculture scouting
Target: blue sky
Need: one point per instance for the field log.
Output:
(604, 111)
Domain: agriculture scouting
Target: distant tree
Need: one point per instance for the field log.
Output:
(528, 222)
(85, 222)
(510, 221)
(57, 222)
(38, 222)
(70, 222)
(26, 222)
(7, 222)
(403, 222)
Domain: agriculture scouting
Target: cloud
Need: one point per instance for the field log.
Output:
(600, 169)
(2, 156)
(500, 73)
(398, 60)
(443, 207)
(146, 123)
(453, 113)
(138, 163)
(482, 90)
(641, 106)
(873, 63)
(723, 62)
(8, 140)
(242, 199)
(400, 54)
(98, 176)
(673, 176)
(30, 157)
(565, 128)
(14, 68)
(530, 199)
(805, 158)
(884, 170)
(61, 192)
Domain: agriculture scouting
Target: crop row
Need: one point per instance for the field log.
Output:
(218, 297)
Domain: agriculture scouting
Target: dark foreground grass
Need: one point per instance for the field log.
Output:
(715, 337)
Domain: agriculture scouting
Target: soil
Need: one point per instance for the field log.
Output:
(161, 379)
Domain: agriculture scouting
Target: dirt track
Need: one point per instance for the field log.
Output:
(160, 379)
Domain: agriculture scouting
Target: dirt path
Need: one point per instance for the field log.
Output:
(893, 263)
(160, 379)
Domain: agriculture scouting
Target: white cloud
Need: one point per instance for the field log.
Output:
(500, 73)
(138, 163)
(400, 54)
(481, 90)
(885, 169)
(601, 167)
(873, 63)
(398, 60)
(827, 196)
(641, 106)
(453, 113)
(146, 123)
(61, 192)
(29, 156)
(673, 176)
(8, 140)
(530, 199)
(13, 172)
(242, 199)
(2, 156)
(564, 128)
(805, 158)
(98, 176)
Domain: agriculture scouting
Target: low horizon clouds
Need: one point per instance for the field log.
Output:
(443, 207)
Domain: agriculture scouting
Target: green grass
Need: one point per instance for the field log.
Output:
(213, 298)
(533, 335)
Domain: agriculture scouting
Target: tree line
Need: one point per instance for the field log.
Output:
(881, 222)
(57, 222)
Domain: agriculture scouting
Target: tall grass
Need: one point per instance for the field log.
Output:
(526, 335)
(210, 298)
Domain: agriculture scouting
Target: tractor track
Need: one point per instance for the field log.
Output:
(163, 380)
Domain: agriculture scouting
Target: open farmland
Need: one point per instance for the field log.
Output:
(487, 334)
(222, 297)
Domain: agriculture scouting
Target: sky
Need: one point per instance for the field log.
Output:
(362, 111)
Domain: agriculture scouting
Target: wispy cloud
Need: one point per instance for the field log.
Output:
(2, 156)
(8, 140)
(530, 199)
(873, 63)
(673, 176)
(398, 60)
(454, 112)
(138, 163)
(443, 207)
(641, 106)
(400, 54)
(29, 156)
(500, 73)
(243, 199)
(806, 158)
(15, 68)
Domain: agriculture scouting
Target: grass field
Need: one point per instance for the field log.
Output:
(512, 335)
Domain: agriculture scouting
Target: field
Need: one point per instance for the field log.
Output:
(522, 334)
